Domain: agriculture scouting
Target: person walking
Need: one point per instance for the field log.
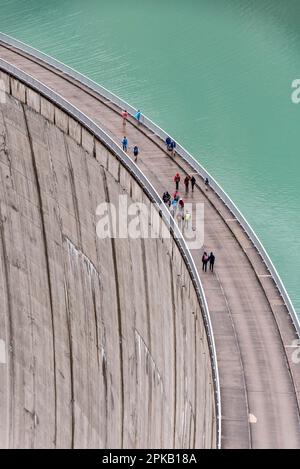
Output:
(204, 262)
(193, 182)
(124, 116)
(136, 152)
(187, 218)
(181, 204)
(172, 147)
(180, 211)
(177, 181)
(167, 198)
(212, 259)
(174, 207)
(187, 183)
(176, 195)
(125, 144)
(138, 116)
(180, 218)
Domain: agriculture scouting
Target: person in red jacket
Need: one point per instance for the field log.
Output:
(177, 181)
(176, 196)
(125, 116)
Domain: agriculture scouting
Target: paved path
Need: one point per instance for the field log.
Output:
(260, 385)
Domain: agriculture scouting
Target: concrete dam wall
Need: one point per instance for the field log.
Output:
(105, 345)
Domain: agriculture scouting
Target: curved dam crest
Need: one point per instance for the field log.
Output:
(106, 343)
(254, 327)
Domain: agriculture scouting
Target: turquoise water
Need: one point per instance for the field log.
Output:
(216, 74)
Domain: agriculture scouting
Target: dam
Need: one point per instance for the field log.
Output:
(122, 343)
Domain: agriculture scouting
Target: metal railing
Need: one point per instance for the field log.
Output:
(153, 196)
(184, 154)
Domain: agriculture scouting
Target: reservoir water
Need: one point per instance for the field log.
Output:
(217, 75)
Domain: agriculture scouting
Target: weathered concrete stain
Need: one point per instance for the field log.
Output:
(107, 344)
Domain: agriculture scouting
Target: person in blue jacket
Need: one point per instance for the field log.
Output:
(172, 147)
(125, 144)
(138, 115)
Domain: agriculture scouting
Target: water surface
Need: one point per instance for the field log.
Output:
(217, 75)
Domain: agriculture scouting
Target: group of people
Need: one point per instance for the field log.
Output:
(175, 203)
(136, 149)
(187, 180)
(125, 115)
(171, 145)
(124, 142)
(208, 259)
(176, 207)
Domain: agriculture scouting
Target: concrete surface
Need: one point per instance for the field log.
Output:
(105, 342)
(260, 383)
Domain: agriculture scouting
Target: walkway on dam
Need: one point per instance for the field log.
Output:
(260, 384)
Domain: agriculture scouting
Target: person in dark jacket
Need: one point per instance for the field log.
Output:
(167, 198)
(212, 259)
(168, 142)
(193, 182)
(187, 183)
(204, 261)
(136, 152)
(172, 147)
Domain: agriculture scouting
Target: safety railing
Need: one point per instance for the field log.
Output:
(153, 196)
(185, 155)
